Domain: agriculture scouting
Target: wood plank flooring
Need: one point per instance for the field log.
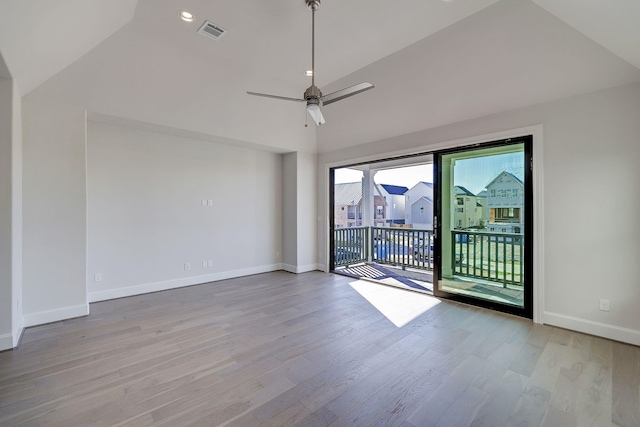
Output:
(280, 349)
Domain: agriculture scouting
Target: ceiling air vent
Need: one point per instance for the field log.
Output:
(210, 29)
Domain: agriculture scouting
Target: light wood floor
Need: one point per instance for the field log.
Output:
(280, 349)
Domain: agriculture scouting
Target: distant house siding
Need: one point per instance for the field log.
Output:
(505, 200)
(422, 214)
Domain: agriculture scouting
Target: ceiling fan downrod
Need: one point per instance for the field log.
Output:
(314, 5)
(313, 97)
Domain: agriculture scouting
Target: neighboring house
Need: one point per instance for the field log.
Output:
(348, 205)
(482, 201)
(422, 213)
(467, 211)
(415, 193)
(506, 204)
(395, 203)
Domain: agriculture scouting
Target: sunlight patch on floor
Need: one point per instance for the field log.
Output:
(397, 305)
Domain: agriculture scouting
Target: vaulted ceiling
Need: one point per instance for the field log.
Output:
(433, 62)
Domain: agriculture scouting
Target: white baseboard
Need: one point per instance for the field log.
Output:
(299, 268)
(6, 342)
(604, 330)
(9, 341)
(146, 288)
(49, 316)
(17, 334)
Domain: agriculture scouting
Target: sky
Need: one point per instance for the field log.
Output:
(473, 174)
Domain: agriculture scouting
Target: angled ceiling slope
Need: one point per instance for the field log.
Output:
(433, 62)
(613, 23)
(39, 38)
(509, 55)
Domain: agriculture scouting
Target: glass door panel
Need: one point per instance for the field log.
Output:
(483, 209)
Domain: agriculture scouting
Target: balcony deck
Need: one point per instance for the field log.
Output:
(484, 265)
(422, 281)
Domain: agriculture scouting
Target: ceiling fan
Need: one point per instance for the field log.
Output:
(313, 96)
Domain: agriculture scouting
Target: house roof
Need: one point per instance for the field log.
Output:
(423, 198)
(460, 190)
(349, 193)
(510, 175)
(394, 189)
(109, 57)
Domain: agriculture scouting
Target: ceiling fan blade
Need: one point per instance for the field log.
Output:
(285, 98)
(345, 93)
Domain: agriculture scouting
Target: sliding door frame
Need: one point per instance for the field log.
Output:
(528, 284)
(538, 222)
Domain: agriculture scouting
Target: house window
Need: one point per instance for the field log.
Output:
(460, 209)
(460, 201)
(514, 193)
(508, 214)
(493, 193)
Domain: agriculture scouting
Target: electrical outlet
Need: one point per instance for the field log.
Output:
(187, 266)
(204, 264)
(604, 305)
(97, 277)
(204, 202)
(209, 202)
(210, 263)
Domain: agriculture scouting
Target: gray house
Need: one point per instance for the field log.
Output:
(506, 204)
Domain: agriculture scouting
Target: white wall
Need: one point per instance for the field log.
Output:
(54, 208)
(307, 211)
(10, 214)
(145, 213)
(16, 215)
(590, 165)
(299, 205)
(290, 211)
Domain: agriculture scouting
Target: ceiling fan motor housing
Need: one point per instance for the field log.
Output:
(312, 93)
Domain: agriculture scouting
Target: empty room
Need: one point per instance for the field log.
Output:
(319, 213)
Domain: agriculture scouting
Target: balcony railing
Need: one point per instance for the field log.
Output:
(494, 257)
(351, 246)
(404, 247)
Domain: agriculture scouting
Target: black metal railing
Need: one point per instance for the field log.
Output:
(351, 246)
(405, 247)
(496, 257)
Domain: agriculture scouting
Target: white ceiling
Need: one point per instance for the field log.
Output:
(433, 62)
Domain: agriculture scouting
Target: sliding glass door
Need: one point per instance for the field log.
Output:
(483, 225)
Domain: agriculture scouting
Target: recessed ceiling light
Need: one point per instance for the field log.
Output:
(186, 16)
(308, 73)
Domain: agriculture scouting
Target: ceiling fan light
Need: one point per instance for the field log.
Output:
(316, 114)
